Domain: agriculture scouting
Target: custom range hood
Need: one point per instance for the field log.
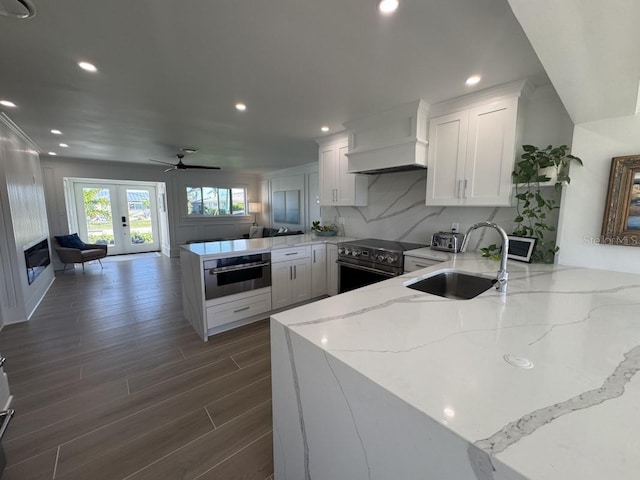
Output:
(391, 141)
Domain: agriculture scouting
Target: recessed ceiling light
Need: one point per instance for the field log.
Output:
(473, 80)
(56, 132)
(388, 6)
(53, 154)
(89, 67)
(64, 145)
(188, 149)
(7, 103)
(241, 107)
(325, 129)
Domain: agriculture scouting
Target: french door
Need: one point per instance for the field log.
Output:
(124, 217)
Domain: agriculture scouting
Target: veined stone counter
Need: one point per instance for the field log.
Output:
(386, 382)
(229, 248)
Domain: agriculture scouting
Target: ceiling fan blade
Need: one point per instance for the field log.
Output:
(201, 166)
(158, 161)
(169, 169)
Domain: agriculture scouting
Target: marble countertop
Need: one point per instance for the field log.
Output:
(430, 254)
(575, 414)
(226, 248)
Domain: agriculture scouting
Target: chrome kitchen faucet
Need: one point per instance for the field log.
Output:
(501, 285)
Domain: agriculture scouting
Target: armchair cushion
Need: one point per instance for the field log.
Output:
(71, 241)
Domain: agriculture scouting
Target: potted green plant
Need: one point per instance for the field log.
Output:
(324, 230)
(532, 207)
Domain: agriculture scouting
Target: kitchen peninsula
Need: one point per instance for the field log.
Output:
(386, 382)
(299, 263)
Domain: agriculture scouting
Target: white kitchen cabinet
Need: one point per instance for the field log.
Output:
(242, 306)
(290, 276)
(338, 187)
(318, 270)
(471, 155)
(411, 264)
(332, 270)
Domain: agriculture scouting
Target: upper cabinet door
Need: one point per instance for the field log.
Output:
(327, 170)
(491, 153)
(472, 154)
(447, 155)
(345, 184)
(338, 187)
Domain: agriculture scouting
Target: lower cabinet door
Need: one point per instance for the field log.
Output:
(281, 276)
(332, 270)
(318, 270)
(301, 282)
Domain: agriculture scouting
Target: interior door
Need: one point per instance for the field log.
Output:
(124, 217)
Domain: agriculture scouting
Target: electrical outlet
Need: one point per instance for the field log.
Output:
(455, 226)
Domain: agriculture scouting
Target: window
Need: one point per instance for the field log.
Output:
(216, 201)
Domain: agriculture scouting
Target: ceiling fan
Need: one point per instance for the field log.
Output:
(182, 166)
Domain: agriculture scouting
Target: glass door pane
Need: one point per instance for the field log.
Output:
(139, 211)
(98, 217)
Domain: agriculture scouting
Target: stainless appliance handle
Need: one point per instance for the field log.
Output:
(235, 268)
(6, 416)
(365, 269)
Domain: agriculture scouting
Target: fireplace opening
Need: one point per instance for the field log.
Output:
(37, 258)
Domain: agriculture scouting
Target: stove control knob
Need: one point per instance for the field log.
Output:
(356, 253)
(341, 251)
(391, 259)
(381, 257)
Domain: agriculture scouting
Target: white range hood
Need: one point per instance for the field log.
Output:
(391, 141)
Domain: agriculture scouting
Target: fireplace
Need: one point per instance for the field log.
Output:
(36, 259)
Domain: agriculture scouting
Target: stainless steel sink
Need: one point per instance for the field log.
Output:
(454, 284)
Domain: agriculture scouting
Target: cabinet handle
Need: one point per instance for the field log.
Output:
(292, 253)
(420, 265)
(459, 189)
(314, 256)
(2, 360)
(241, 309)
(295, 274)
(290, 272)
(464, 191)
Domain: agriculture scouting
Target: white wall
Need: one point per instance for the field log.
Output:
(24, 218)
(584, 200)
(181, 228)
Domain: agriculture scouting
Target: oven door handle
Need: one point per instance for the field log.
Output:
(365, 269)
(236, 268)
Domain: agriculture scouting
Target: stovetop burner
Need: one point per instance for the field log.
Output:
(383, 255)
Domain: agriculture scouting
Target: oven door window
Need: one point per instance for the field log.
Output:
(352, 278)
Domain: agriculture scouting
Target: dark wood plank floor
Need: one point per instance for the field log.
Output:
(110, 382)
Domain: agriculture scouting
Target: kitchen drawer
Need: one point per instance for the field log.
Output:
(229, 312)
(286, 254)
(411, 264)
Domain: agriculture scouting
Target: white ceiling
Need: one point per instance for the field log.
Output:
(170, 72)
(590, 50)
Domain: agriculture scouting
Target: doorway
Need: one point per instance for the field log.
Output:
(122, 216)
